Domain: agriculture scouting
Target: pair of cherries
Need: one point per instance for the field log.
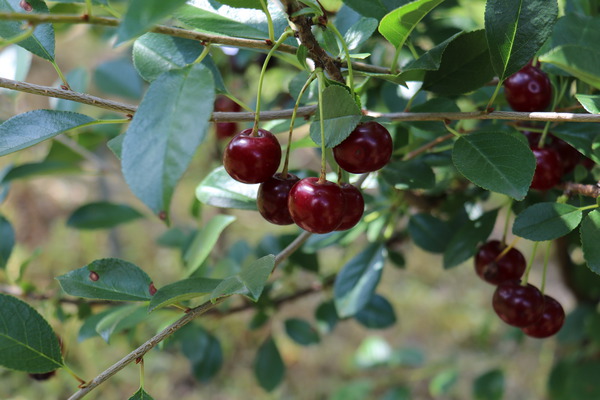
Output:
(314, 204)
(538, 315)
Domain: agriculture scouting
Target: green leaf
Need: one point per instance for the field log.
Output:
(30, 128)
(120, 319)
(377, 314)
(581, 135)
(250, 282)
(398, 24)
(429, 233)
(7, 241)
(120, 78)
(431, 60)
(204, 352)
(142, 14)
(579, 61)
(269, 368)
(412, 174)
(141, 395)
(154, 54)
(546, 221)
(489, 385)
(102, 215)
(496, 161)
(301, 332)
(443, 382)
(591, 103)
(516, 30)
(171, 122)
(356, 282)
(590, 237)
(326, 316)
(108, 279)
(41, 43)
(465, 66)
(39, 169)
(27, 342)
(372, 9)
(204, 241)
(221, 190)
(181, 291)
(358, 33)
(242, 3)
(88, 328)
(464, 243)
(340, 114)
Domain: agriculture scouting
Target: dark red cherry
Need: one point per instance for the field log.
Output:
(272, 198)
(510, 267)
(252, 159)
(42, 376)
(354, 206)
(548, 168)
(225, 104)
(568, 155)
(553, 318)
(226, 130)
(587, 162)
(317, 207)
(368, 148)
(528, 90)
(518, 305)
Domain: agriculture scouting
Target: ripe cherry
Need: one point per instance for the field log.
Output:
(553, 318)
(518, 305)
(226, 130)
(252, 159)
(354, 206)
(569, 156)
(315, 206)
(509, 267)
(367, 149)
(528, 90)
(42, 376)
(548, 168)
(272, 198)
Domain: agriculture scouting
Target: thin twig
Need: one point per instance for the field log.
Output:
(577, 188)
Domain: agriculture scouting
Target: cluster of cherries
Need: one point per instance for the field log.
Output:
(314, 204)
(524, 306)
(530, 90)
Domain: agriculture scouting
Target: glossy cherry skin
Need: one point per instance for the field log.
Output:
(548, 168)
(226, 130)
(316, 207)
(368, 148)
(518, 305)
(553, 318)
(272, 198)
(354, 206)
(510, 267)
(528, 90)
(252, 159)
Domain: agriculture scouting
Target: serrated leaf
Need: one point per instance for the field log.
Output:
(30, 128)
(204, 241)
(141, 395)
(496, 161)
(7, 241)
(301, 332)
(430, 60)
(221, 190)
(108, 279)
(181, 291)
(465, 66)
(27, 342)
(546, 221)
(590, 237)
(465, 241)
(269, 368)
(171, 122)
(397, 25)
(429, 233)
(41, 43)
(412, 174)
(579, 61)
(102, 215)
(340, 116)
(516, 30)
(120, 319)
(356, 282)
(591, 103)
(489, 385)
(250, 282)
(142, 14)
(377, 314)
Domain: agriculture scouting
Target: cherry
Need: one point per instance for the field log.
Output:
(518, 305)
(367, 149)
(316, 206)
(252, 159)
(553, 318)
(272, 198)
(225, 130)
(354, 206)
(510, 267)
(42, 376)
(225, 104)
(528, 90)
(569, 156)
(548, 168)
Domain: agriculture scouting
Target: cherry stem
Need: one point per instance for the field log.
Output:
(74, 375)
(310, 79)
(507, 220)
(347, 55)
(287, 33)
(265, 8)
(204, 53)
(321, 80)
(451, 130)
(591, 207)
(394, 64)
(494, 95)
(529, 264)
(507, 249)
(411, 100)
(546, 259)
(141, 372)
(88, 7)
(60, 74)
